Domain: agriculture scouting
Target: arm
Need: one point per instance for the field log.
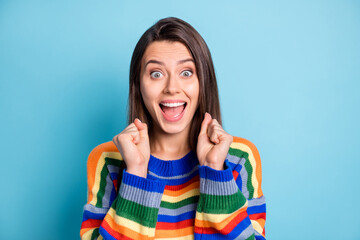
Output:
(112, 213)
(231, 205)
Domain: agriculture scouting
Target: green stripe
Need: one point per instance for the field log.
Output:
(113, 161)
(103, 176)
(102, 186)
(221, 204)
(248, 168)
(146, 216)
(180, 204)
(95, 234)
(252, 237)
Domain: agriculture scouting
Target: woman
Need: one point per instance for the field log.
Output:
(173, 172)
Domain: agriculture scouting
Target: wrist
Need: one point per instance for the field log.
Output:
(216, 166)
(141, 172)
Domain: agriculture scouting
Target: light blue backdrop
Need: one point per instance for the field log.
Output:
(288, 74)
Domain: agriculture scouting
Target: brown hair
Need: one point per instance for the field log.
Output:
(175, 29)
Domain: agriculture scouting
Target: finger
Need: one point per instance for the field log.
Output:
(136, 137)
(131, 126)
(214, 137)
(142, 127)
(220, 136)
(205, 124)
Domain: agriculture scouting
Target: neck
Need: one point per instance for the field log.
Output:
(169, 146)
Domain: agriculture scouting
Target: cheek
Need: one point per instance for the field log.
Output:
(193, 91)
(149, 93)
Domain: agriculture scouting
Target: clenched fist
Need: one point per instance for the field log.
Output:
(133, 145)
(213, 143)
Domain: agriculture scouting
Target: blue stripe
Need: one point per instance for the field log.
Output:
(90, 215)
(114, 176)
(178, 218)
(174, 182)
(233, 165)
(257, 237)
(113, 195)
(143, 183)
(216, 175)
(257, 209)
(105, 234)
(241, 227)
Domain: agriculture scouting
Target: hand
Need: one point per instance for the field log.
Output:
(133, 145)
(213, 143)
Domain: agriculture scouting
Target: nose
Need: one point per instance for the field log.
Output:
(172, 85)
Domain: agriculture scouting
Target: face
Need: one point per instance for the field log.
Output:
(169, 86)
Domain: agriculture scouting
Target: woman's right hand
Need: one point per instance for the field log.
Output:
(133, 145)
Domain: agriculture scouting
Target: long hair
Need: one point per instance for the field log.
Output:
(176, 30)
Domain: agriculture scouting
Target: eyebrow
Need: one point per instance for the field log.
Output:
(179, 62)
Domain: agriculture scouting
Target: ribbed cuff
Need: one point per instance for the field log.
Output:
(139, 199)
(218, 189)
(143, 183)
(216, 175)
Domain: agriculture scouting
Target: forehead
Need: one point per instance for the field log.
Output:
(167, 51)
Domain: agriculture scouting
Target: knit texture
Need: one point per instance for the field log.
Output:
(177, 200)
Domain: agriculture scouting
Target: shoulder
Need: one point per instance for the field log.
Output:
(245, 155)
(242, 147)
(100, 153)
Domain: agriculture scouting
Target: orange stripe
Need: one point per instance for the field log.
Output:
(174, 233)
(84, 230)
(222, 224)
(257, 159)
(261, 221)
(113, 233)
(192, 186)
(92, 162)
(111, 225)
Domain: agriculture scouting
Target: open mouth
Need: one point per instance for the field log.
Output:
(172, 110)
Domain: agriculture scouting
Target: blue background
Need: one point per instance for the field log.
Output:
(288, 74)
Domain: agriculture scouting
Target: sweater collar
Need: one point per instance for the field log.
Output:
(175, 167)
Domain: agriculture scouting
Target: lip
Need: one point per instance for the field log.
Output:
(175, 119)
(173, 101)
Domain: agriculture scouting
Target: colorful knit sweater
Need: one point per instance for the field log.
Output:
(177, 200)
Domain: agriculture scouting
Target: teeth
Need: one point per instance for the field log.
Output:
(172, 104)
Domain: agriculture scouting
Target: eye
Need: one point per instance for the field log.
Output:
(187, 73)
(155, 74)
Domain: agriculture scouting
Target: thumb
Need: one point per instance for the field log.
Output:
(142, 127)
(205, 124)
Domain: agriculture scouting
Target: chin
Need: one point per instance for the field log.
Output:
(173, 129)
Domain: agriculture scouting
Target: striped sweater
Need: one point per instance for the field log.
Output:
(177, 200)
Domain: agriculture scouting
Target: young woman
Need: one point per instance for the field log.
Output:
(173, 172)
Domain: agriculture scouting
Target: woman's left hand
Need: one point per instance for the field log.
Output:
(213, 143)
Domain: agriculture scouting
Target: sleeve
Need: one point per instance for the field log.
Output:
(129, 212)
(231, 203)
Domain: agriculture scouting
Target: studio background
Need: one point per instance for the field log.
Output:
(288, 75)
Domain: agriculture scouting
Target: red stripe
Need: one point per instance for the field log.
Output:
(257, 216)
(231, 225)
(91, 223)
(181, 186)
(201, 230)
(115, 182)
(226, 230)
(176, 225)
(235, 174)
